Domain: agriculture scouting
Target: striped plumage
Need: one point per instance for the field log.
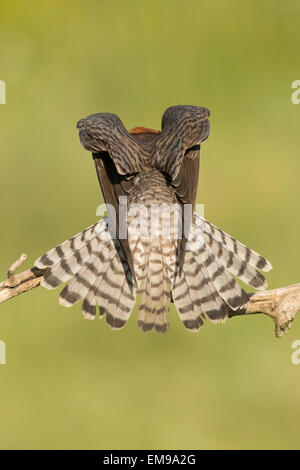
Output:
(160, 169)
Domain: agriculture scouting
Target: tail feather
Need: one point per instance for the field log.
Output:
(113, 291)
(89, 305)
(243, 252)
(199, 288)
(227, 287)
(94, 267)
(234, 264)
(67, 248)
(120, 293)
(97, 272)
(146, 319)
(161, 294)
(153, 311)
(69, 266)
(189, 311)
(206, 281)
(213, 305)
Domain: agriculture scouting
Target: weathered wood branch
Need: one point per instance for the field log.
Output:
(16, 284)
(280, 304)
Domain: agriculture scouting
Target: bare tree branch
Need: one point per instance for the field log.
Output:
(17, 284)
(280, 304)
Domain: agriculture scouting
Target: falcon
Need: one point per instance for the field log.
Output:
(150, 249)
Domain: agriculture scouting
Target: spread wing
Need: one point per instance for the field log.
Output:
(185, 187)
(113, 185)
(186, 183)
(105, 131)
(183, 127)
(117, 159)
(177, 153)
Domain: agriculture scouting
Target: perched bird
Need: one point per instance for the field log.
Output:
(149, 248)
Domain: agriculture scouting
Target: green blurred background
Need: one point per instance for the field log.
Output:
(70, 383)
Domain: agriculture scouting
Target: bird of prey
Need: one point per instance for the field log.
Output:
(117, 262)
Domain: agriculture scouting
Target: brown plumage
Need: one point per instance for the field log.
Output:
(111, 264)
